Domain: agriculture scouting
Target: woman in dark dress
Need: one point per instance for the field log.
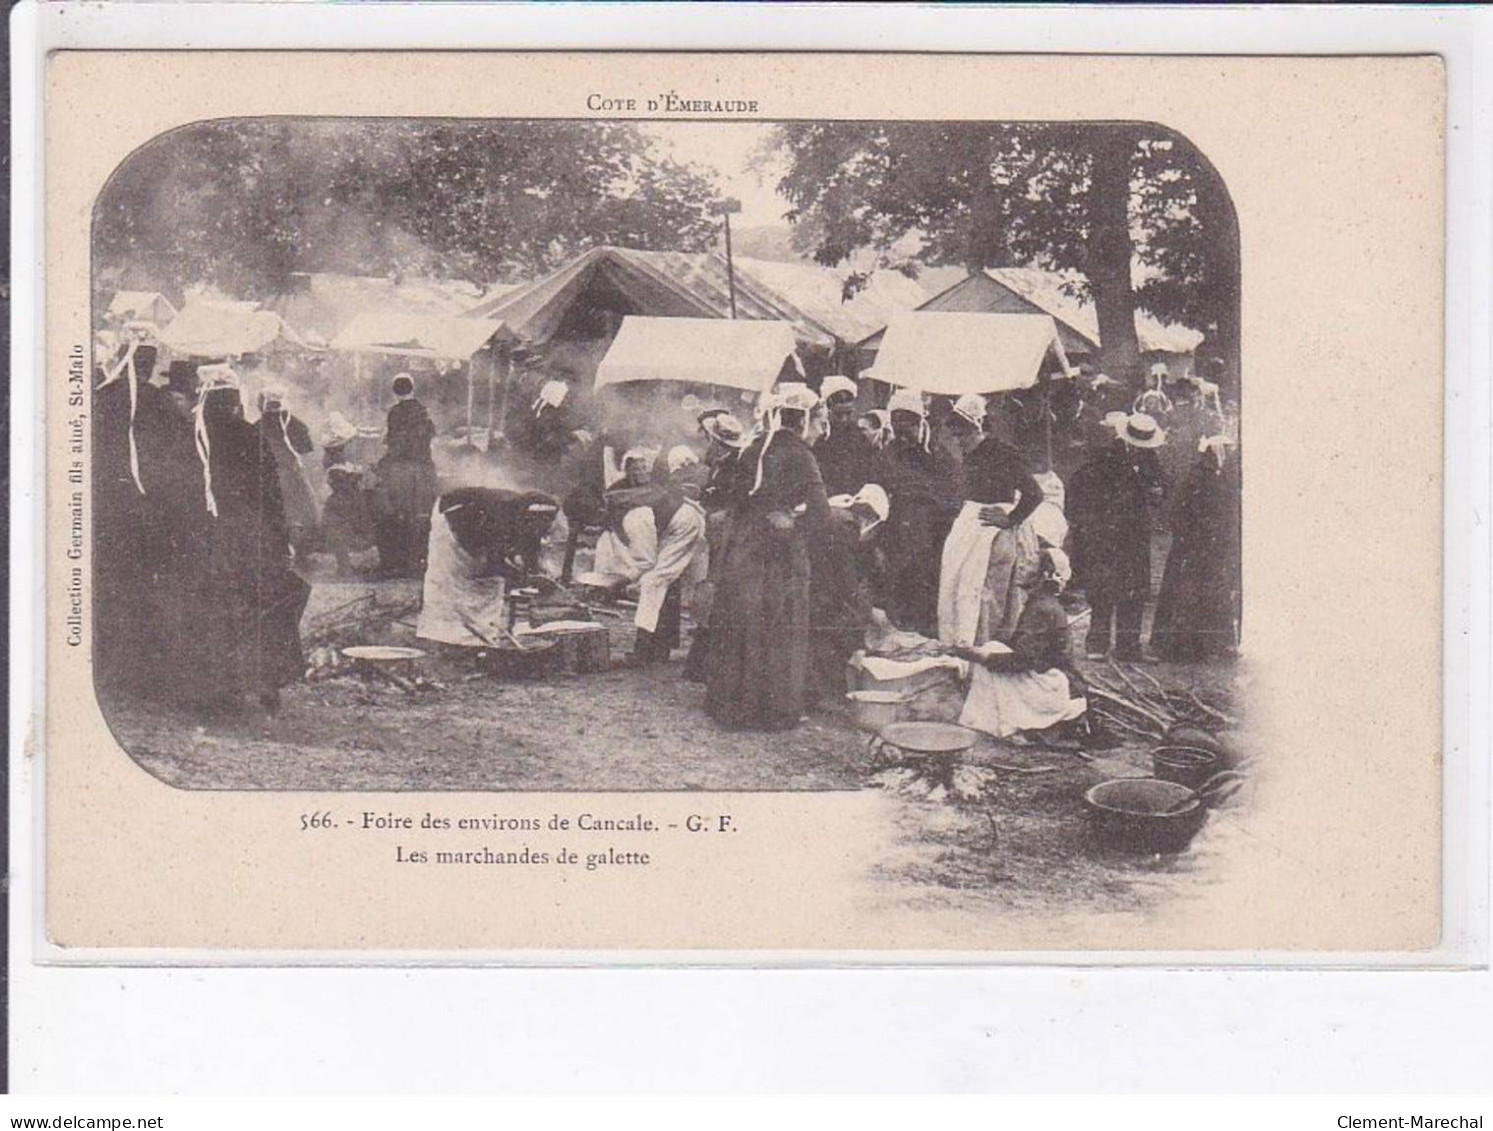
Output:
(761, 664)
(919, 520)
(407, 485)
(287, 436)
(1197, 612)
(236, 620)
(722, 486)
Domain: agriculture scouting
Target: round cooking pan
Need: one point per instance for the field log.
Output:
(928, 738)
(1145, 815)
(1191, 766)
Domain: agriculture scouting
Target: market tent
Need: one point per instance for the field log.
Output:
(207, 329)
(1031, 290)
(659, 284)
(141, 306)
(817, 295)
(436, 337)
(322, 304)
(739, 355)
(955, 353)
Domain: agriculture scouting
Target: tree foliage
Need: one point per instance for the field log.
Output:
(243, 204)
(1133, 212)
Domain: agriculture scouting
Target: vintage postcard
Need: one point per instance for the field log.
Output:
(705, 505)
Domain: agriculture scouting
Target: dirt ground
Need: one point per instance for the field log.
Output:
(630, 729)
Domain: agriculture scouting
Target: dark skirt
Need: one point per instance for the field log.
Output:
(1197, 610)
(759, 629)
(233, 616)
(914, 550)
(405, 496)
(347, 520)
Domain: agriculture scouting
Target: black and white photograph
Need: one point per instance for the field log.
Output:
(584, 455)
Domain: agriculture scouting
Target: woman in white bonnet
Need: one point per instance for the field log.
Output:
(760, 668)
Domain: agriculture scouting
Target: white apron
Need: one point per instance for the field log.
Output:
(1002, 703)
(968, 614)
(628, 559)
(451, 593)
(685, 532)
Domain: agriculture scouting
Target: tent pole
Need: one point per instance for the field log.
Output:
(492, 374)
(507, 387)
(471, 396)
(1047, 419)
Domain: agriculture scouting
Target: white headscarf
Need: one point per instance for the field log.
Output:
(642, 454)
(910, 400)
(972, 407)
(792, 396)
(211, 379)
(126, 366)
(1219, 445)
(339, 430)
(883, 420)
(1056, 567)
(681, 456)
(874, 496)
(837, 383)
(551, 395)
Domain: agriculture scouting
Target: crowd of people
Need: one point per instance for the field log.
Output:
(785, 537)
(794, 535)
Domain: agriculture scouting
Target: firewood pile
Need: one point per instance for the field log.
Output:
(1131, 701)
(354, 622)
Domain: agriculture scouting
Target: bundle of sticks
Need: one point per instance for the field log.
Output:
(353, 621)
(1135, 702)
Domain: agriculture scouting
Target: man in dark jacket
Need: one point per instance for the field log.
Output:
(1109, 509)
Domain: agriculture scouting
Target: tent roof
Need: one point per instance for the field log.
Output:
(323, 303)
(738, 354)
(958, 352)
(819, 294)
(412, 334)
(147, 305)
(1044, 291)
(678, 284)
(207, 329)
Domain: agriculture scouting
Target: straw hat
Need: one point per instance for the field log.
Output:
(721, 426)
(1137, 429)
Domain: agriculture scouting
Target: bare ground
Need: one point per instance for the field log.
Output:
(633, 729)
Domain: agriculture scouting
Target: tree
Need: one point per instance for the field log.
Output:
(243, 204)
(1103, 201)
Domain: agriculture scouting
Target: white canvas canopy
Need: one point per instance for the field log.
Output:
(418, 334)
(953, 353)
(738, 354)
(141, 306)
(205, 329)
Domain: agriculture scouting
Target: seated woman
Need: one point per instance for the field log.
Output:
(1032, 687)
